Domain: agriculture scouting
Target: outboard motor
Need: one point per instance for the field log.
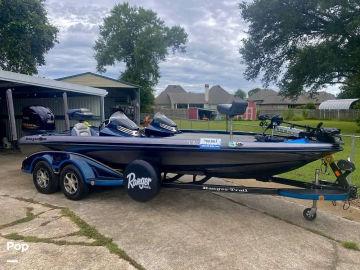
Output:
(161, 126)
(37, 120)
(119, 125)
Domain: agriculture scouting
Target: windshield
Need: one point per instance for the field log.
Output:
(161, 118)
(120, 119)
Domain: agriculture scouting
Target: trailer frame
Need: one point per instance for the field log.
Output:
(148, 179)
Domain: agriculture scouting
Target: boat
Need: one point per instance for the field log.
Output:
(121, 153)
(210, 153)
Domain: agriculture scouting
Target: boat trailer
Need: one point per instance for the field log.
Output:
(318, 190)
(74, 173)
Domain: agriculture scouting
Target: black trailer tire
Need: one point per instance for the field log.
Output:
(44, 179)
(72, 183)
(142, 180)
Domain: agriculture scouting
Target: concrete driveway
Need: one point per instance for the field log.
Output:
(177, 230)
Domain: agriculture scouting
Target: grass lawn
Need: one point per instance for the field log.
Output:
(306, 172)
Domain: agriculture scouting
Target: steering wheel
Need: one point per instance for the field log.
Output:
(104, 124)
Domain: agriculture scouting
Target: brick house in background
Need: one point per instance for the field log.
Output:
(267, 99)
(174, 97)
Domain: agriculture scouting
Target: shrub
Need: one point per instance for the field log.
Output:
(358, 122)
(310, 106)
(297, 117)
(305, 113)
(288, 115)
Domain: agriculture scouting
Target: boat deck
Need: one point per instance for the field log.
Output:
(223, 137)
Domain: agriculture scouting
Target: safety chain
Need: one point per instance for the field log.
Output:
(324, 167)
(354, 201)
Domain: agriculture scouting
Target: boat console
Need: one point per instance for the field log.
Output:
(119, 125)
(82, 128)
(161, 126)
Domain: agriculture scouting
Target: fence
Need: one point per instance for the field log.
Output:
(216, 125)
(348, 115)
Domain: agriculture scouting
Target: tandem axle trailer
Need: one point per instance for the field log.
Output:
(73, 173)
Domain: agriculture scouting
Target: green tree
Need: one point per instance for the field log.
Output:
(137, 37)
(253, 91)
(303, 45)
(240, 94)
(25, 35)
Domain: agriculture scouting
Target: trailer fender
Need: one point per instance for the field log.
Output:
(29, 163)
(85, 169)
(90, 169)
(58, 160)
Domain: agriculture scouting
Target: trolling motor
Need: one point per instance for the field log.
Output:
(327, 135)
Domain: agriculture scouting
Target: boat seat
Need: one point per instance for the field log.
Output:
(81, 129)
(238, 107)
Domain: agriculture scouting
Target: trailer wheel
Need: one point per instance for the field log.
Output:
(309, 214)
(142, 180)
(72, 183)
(44, 179)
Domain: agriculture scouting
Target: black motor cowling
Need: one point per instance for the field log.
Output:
(37, 119)
(161, 126)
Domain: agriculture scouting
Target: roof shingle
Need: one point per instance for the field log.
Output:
(175, 94)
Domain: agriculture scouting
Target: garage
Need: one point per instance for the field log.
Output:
(18, 91)
(122, 96)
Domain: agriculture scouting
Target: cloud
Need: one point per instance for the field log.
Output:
(215, 30)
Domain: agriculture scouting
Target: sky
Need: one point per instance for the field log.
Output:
(215, 32)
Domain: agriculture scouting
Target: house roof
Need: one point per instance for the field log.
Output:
(164, 99)
(175, 94)
(22, 79)
(97, 80)
(217, 95)
(271, 97)
(187, 98)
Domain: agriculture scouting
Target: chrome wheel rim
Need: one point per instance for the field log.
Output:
(42, 178)
(71, 183)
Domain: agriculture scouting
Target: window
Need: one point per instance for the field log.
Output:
(182, 106)
(196, 105)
